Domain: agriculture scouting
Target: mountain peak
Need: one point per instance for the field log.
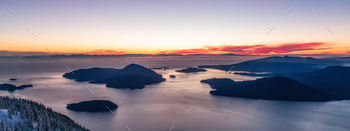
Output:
(133, 65)
(136, 69)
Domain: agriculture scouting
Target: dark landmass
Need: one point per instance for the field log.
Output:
(7, 87)
(172, 76)
(24, 86)
(275, 88)
(254, 74)
(132, 76)
(91, 74)
(278, 64)
(334, 80)
(92, 106)
(161, 68)
(129, 81)
(191, 70)
(218, 82)
(10, 87)
(13, 79)
(32, 113)
(342, 59)
(263, 74)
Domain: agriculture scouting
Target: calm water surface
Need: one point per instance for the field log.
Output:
(160, 106)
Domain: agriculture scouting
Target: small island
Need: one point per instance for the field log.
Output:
(133, 76)
(13, 79)
(10, 87)
(191, 70)
(92, 106)
(172, 76)
(23, 86)
(161, 68)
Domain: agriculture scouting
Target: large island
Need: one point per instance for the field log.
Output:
(133, 76)
(275, 88)
(330, 83)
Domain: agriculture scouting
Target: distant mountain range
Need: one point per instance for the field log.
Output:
(290, 78)
(278, 64)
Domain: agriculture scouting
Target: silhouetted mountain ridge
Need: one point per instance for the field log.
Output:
(277, 64)
(333, 79)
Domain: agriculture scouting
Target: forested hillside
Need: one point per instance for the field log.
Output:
(27, 115)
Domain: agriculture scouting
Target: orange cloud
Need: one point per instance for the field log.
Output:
(187, 51)
(288, 48)
(258, 49)
(104, 52)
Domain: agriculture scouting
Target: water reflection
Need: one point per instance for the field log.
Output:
(163, 105)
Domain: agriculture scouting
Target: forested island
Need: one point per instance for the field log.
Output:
(10, 87)
(191, 70)
(330, 83)
(132, 76)
(27, 115)
(92, 106)
(275, 88)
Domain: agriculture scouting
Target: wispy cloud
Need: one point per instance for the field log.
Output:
(187, 51)
(30, 53)
(258, 49)
(104, 52)
(289, 48)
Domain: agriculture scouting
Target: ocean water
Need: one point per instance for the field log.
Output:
(159, 107)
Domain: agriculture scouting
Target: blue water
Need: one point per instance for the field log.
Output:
(161, 106)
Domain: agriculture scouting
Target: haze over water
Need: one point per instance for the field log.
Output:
(160, 106)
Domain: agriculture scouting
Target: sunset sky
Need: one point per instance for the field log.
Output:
(175, 26)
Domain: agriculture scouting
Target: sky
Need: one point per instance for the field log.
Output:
(175, 27)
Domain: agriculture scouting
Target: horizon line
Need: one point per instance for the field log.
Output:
(135, 54)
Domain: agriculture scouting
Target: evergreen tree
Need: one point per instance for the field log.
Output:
(34, 117)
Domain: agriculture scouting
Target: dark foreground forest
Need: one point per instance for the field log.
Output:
(27, 115)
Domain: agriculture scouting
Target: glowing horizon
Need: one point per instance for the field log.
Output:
(175, 26)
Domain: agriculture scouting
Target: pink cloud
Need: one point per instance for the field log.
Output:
(258, 49)
(105, 52)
